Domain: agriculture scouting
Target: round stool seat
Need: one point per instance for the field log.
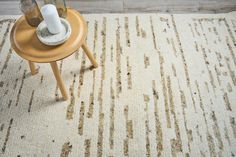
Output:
(27, 45)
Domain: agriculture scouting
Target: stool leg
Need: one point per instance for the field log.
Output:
(90, 56)
(59, 80)
(32, 68)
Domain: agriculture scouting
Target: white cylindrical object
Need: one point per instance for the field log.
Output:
(52, 19)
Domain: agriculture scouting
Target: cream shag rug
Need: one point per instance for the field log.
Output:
(166, 86)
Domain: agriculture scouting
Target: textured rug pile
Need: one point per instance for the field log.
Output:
(165, 86)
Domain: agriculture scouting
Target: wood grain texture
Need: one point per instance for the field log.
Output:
(126, 6)
(165, 86)
(179, 6)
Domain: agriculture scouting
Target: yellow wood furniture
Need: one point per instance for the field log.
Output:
(26, 44)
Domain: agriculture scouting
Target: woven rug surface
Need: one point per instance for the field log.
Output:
(165, 86)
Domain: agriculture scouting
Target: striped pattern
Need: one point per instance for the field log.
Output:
(166, 86)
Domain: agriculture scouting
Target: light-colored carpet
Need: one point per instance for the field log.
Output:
(166, 86)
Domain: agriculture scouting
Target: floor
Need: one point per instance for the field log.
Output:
(10, 7)
(165, 87)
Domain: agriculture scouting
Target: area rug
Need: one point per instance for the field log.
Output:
(165, 86)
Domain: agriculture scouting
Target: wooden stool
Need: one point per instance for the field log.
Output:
(26, 44)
